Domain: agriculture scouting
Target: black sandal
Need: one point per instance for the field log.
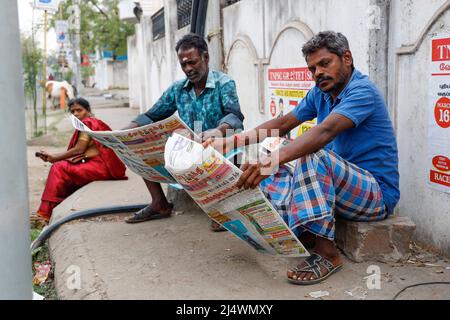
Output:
(313, 264)
(147, 214)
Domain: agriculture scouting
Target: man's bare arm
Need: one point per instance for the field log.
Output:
(316, 138)
(272, 128)
(313, 140)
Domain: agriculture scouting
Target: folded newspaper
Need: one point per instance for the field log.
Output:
(210, 179)
(142, 148)
(163, 152)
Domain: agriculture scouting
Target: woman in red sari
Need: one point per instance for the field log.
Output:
(85, 161)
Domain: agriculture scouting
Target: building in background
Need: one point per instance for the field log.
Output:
(249, 39)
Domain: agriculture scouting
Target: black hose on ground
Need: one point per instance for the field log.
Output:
(46, 232)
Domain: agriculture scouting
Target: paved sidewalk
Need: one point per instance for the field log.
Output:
(180, 258)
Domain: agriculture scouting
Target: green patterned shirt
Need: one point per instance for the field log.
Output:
(216, 105)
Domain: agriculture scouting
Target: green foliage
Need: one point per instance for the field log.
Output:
(87, 71)
(32, 61)
(100, 26)
(34, 233)
(68, 76)
(33, 64)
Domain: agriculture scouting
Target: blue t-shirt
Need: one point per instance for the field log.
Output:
(371, 144)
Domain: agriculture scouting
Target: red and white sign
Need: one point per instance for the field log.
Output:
(439, 115)
(287, 87)
(440, 56)
(442, 112)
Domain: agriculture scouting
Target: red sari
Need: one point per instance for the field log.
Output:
(65, 177)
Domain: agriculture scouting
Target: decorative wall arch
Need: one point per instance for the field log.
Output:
(414, 47)
(258, 62)
(160, 62)
(412, 107)
(154, 82)
(297, 25)
(248, 43)
(164, 79)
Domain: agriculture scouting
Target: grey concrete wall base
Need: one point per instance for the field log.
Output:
(384, 241)
(182, 201)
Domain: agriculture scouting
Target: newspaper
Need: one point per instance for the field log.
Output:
(141, 149)
(210, 179)
(273, 144)
(164, 152)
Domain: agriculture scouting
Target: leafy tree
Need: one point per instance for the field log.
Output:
(100, 26)
(32, 61)
(87, 71)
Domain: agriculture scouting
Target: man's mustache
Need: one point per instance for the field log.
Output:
(321, 79)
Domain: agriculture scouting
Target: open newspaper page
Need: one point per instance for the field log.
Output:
(210, 179)
(273, 144)
(141, 149)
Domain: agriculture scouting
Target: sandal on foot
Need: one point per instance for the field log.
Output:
(313, 265)
(216, 227)
(148, 214)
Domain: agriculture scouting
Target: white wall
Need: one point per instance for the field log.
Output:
(262, 34)
(120, 74)
(111, 74)
(133, 75)
(409, 79)
(259, 35)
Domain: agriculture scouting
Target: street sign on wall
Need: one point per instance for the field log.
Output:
(49, 5)
(62, 31)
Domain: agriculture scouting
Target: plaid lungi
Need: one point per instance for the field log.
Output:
(321, 186)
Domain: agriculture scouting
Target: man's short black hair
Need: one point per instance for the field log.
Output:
(192, 40)
(80, 101)
(335, 42)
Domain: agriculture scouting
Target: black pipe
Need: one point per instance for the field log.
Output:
(194, 12)
(82, 215)
(198, 16)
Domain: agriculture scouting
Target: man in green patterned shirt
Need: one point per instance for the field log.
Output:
(207, 98)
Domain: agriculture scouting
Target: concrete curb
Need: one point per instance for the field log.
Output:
(70, 237)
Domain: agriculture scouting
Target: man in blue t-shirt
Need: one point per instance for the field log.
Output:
(347, 165)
